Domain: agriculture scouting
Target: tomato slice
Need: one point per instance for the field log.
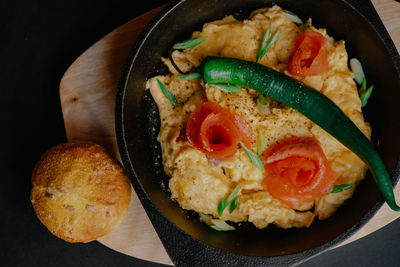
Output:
(310, 56)
(217, 131)
(297, 171)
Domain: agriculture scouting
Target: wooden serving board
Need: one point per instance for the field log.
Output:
(87, 93)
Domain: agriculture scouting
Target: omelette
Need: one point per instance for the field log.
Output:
(197, 183)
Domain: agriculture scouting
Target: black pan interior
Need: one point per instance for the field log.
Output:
(138, 122)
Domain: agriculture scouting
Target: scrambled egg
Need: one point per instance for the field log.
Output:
(196, 185)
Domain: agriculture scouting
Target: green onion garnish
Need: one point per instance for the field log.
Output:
(264, 48)
(273, 40)
(205, 218)
(216, 224)
(189, 43)
(363, 84)
(223, 204)
(227, 88)
(365, 95)
(340, 188)
(167, 93)
(261, 99)
(260, 142)
(293, 17)
(360, 79)
(189, 76)
(255, 159)
(357, 69)
(263, 42)
(234, 204)
(232, 195)
(220, 225)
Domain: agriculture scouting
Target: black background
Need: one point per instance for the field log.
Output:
(38, 42)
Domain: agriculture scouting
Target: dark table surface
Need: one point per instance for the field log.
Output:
(38, 43)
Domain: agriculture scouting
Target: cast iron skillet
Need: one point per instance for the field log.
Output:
(137, 126)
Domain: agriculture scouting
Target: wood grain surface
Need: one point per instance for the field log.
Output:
(87, 93)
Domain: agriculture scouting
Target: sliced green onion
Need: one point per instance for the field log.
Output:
(234, 204)
(357, 69)
(261, 99)
(360, 79)
(260, 142)
(263, 43)
(215, 224)
(293, 17)
(205, 218)
(273, 40)
(363, 84)
(365, 95)
(340, 188)
(227, 88)
(167, 93)
(232, 195)
(220, 225)
(261, 53)
(255, 159)
(223, 204)
(189, 43)
(189, 76)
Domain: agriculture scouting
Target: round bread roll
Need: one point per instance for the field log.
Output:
(79, 192)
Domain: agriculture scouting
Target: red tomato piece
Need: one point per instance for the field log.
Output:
(217, 131)
(297, 171)
(310, 56)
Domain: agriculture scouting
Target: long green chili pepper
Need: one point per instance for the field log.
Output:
(311, 103)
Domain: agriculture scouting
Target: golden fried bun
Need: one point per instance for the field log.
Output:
(79, 192)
